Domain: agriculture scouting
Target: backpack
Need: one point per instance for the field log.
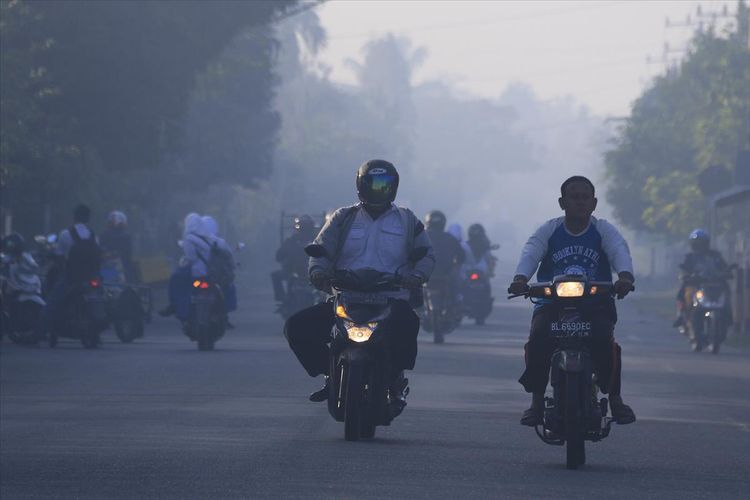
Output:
(219, 265)
(84, 258)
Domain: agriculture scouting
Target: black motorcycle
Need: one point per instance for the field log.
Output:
(574, 414)
(360, 368)
(706, 322)
(207, 322)
(477, 295)
(84, 314)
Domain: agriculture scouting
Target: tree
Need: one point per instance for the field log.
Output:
(687, 121)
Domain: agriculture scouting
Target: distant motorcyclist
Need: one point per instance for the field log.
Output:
(701, 262)
(449, 255)
(194, 245)
(291, 255)
(575, 244)
(480, 251)
(374, 234)
(80, 249)
(117, 246)
(211, 232)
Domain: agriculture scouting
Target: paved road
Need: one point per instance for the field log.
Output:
(159, 419)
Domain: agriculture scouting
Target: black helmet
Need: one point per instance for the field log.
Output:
(14, 244)
(700, 240)
(435, 220)
(476, 231)
(377, 183)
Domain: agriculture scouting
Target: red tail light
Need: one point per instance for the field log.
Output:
(200, 284)
(474, 276)
(95, 283)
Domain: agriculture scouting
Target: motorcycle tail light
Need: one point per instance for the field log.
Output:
(474, 276)
(570, 289)
(200, 284)
(95, 283)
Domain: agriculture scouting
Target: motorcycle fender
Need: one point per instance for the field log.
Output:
(571, 361)
(202, 312)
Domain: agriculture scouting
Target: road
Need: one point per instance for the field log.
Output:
(158, 419)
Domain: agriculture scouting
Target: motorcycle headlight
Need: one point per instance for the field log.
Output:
(359, 333)
(570, 289)
(699, 295)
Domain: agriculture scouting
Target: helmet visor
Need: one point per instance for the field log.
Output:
(379, 189)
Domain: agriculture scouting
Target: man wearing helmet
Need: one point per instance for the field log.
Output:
(449, 256)
(291, 255)
(700, 261)
(117, 245)
(575, 244)
(373, 234)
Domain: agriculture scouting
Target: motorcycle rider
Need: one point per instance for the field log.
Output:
(79, 247)
(449, 255)
(480, 251)
(291, 255)
(703, 261)
(117, 244)
(22, 271)
(575, 244)
(211, 232)
(373, 234)
(190, 266)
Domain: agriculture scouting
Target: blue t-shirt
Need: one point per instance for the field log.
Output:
(581, 254)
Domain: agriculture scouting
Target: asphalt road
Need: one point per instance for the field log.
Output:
(158, 419)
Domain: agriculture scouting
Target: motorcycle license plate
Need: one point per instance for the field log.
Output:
(364, 298)
(570, 326)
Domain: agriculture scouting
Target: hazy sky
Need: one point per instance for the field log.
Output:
(595, 51)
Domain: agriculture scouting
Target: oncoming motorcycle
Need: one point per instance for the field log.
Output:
(360, 368)
(574, 414)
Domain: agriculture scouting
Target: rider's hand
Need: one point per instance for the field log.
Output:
(624, 285)
(412, 281)
(519, 285)
(319, 279)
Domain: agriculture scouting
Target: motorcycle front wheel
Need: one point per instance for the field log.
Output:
(575, 450)
(353, 403)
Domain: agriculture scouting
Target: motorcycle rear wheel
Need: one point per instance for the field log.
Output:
(205, 339)
(353, 403)
(575, 448)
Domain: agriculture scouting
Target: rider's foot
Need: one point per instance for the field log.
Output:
(399, 389)
(535, 414)
(322, 394)
(678, 322)
(621, 412)
(167, 311)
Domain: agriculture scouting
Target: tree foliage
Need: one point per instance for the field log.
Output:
(122, 88)
(689, 120)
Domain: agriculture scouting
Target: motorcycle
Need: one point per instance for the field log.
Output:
(85, 315)
(574, 414)
(477, 294)
(128, 306)
(706, 319)
(439, 314)
(207, 322)
(299, 295)
(360, 368)
(21, 300)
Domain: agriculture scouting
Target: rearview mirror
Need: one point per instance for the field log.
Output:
(418, 254)
(241, 246)
(317, 251)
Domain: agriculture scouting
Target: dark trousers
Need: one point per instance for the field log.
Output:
(309, 332)
(605, 352)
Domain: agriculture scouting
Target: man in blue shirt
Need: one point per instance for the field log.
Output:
(575, 244)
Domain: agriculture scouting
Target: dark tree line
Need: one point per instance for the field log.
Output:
(125, 103)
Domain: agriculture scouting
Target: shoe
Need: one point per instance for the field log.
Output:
(167, 311)
(398, 391)
(535, 414)
(678, 322)
(622, 413)
(322, 394)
